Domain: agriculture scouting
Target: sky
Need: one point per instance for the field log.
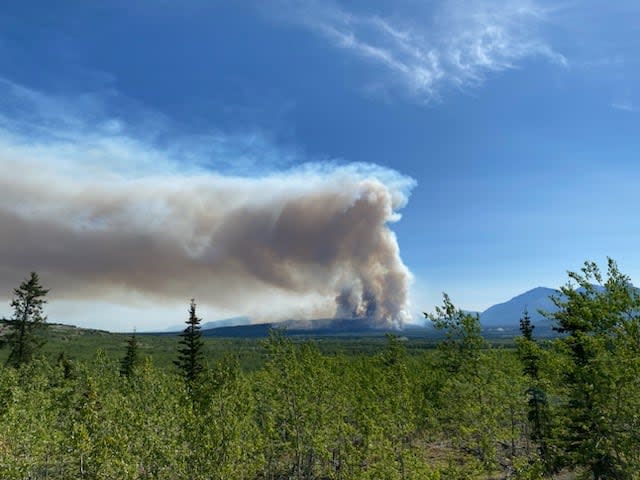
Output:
(298, 159)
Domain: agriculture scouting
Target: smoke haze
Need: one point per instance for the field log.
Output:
(319, 231)
(113, 219)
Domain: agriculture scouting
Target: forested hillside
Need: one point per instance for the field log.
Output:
(562, 408)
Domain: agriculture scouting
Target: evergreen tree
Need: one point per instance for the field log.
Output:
(463, 339)
(65, 364)
(130, 359)
(601, 323)
(24, 338)
(526, 327)
(190, 354)
(538, 415)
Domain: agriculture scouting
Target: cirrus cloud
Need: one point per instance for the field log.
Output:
(428, 49)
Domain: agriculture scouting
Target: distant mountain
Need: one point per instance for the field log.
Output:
(500, 320)
(510, 312)
(224, 322)
(319, 327)
(257, 330)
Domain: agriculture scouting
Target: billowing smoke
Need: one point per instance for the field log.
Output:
(313, 241)
(109, 218)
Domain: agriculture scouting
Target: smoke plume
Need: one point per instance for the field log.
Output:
(109, 217)
(313, 241)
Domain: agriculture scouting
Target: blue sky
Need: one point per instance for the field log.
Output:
(517, 120)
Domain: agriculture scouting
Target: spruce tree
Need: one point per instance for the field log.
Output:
(463, 340)
(130, 359)
(526, 327)
(25, 328)
(190, 360)
(599, 320)
(538, 415)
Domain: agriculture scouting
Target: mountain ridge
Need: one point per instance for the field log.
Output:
(501, 317)
(510, 312)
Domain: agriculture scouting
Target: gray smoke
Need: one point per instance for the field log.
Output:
(310, 242)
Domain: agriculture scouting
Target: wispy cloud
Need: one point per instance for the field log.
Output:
(132, 137)
(454, 44)
(625, 106)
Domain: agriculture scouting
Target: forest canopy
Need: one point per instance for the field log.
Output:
(565, 406)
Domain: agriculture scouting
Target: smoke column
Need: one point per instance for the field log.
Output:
(317, 236)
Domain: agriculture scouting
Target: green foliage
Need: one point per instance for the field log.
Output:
(25, 335)
(601, 323)
(190, 360)
(463, 341)
(343, 408)
(296, 414)
(526, 327)
(538, 415)
(481, 411)
(130, 359)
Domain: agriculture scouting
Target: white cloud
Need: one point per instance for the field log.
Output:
(148, 141)
(454, 44)
(625, 106)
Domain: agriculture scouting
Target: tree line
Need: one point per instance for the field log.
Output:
(566, 407)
